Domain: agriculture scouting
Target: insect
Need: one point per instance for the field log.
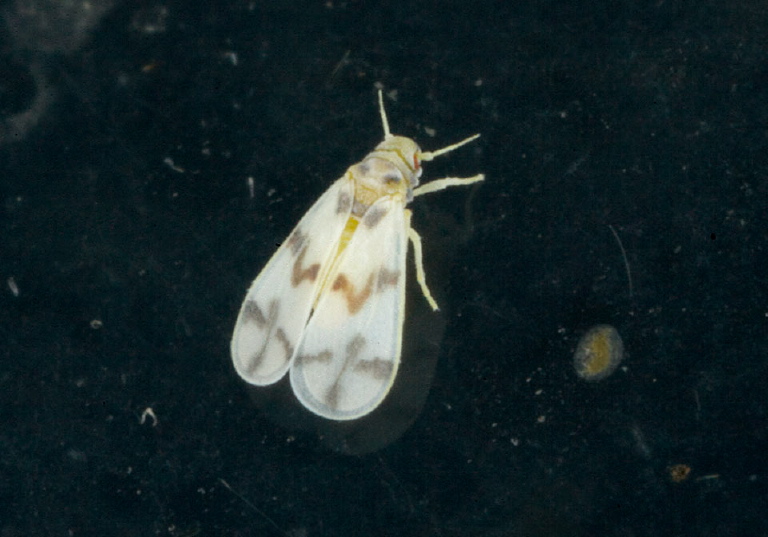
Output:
(330, 303)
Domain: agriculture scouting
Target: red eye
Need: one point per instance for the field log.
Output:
(416, 163)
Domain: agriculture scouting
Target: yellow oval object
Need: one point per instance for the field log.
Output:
(599, 353)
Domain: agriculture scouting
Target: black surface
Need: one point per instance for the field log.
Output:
(125, 201)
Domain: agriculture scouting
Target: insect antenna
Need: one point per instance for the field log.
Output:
(430, 155)
(384, 121)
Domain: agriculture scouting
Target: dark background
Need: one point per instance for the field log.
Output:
(128, 133)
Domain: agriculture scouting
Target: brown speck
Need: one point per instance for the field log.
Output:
(679, 472)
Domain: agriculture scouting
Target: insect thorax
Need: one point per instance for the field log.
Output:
(392, 169)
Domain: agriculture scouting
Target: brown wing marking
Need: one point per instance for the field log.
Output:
(253, 313)
(300, 274)
(386, 278)
(377, 368)
(355, 300)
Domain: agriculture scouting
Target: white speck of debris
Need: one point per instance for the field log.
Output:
(12, 286)
(168, 161)
(148, 412)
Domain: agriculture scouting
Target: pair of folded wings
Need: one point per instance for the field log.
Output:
(333, 319)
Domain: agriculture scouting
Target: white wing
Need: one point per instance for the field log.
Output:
(348, 357)
(279, 302)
